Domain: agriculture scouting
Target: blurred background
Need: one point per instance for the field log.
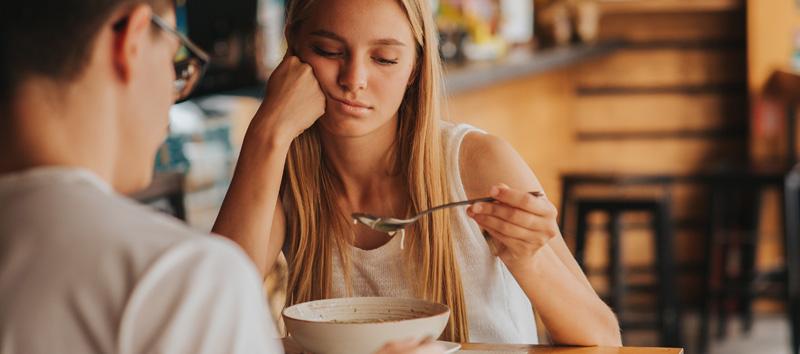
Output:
(665, 131)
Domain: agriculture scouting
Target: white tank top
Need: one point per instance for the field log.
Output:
(498, 311)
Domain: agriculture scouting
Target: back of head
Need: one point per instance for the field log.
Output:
(52, 38)
(86, 84)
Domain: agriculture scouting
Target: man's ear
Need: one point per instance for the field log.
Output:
(130, 33)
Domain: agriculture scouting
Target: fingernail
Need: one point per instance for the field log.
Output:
(494, 191)
(476, 208)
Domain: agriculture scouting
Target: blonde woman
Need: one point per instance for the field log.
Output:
(351, 123)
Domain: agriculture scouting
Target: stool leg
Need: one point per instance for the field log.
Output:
(669, 313)
(794, 312)
(710, 271)
(566, 189)
(616, 277)
(749, 248)
(177, 203)
(725, 239)
(722, 295)
(791, 224)
(580, 235)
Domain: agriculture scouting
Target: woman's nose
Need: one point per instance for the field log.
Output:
(353, 75)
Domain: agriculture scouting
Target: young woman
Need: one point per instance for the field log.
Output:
(351, 123)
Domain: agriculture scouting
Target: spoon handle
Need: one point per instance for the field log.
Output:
(455, 204)
(468, 202)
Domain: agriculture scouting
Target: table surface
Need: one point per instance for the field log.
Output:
(477, 348)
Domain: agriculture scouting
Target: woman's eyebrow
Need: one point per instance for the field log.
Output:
(328, 34)
(387, 41)
(338, 38)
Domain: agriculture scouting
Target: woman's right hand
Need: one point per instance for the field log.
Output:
(252, 214)
(292, 103)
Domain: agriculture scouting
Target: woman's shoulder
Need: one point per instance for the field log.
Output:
(486, 160)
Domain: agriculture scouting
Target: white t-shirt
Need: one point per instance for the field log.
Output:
(84, 270)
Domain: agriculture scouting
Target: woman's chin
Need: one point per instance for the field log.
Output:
(347, 126)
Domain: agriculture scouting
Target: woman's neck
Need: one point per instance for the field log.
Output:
(365, 165)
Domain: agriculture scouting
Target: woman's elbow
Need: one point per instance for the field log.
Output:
(611, 335)
(607, 334)
(613, 339)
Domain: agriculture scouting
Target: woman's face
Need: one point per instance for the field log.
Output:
(363, 54)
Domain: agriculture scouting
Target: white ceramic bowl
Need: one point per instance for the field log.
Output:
(362, 325)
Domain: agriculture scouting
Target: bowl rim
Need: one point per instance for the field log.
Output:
(441, 310)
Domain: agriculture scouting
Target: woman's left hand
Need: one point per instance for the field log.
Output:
(520, 222)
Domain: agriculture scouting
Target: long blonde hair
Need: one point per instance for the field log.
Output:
(315, 225)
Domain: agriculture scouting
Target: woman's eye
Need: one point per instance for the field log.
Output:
(383, 61)
(325, 53)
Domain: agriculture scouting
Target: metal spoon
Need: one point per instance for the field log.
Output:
(391, 225)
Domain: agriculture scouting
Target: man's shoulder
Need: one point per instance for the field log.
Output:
(116, 217)
(203, 291)
(96, 223)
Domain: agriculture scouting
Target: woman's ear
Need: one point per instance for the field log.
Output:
(414, 72)
(291, 47)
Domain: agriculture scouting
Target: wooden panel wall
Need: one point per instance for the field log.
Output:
(532, 114)
(674, 102)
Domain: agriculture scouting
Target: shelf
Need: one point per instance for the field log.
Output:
(621, 7)
(523, 62)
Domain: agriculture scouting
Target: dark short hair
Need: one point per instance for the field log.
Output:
(52, 38)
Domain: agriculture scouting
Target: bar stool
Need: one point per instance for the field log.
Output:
(732, 280)
(668, 320)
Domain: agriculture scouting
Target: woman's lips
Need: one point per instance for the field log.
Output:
(352, 107)
(353, 103)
